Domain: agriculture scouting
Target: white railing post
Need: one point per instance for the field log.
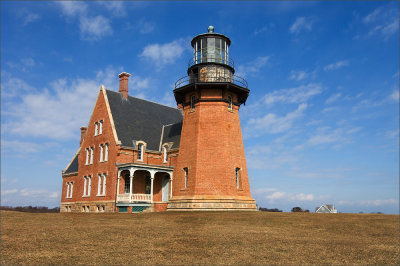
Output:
(170, 185)
(152, 173)
(118, 177)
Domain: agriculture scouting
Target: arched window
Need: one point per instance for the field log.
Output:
(96, 128)
(230, 103)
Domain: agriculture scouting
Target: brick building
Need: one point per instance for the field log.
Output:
(138, 155)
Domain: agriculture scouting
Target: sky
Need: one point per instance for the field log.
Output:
(320, 126)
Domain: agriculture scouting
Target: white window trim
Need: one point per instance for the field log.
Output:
(71, 189)
(230, 104)
(140, 152)
(89, 186)
(96, 128)
(165, 151)
(91, 154)
(99, 186)
(84, 186)
(106, 153)
(67, 196)
(87, 156)
(186, 170)
(101, 152)
(104, 184)
(101, 127)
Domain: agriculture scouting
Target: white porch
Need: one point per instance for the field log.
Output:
(127, 196)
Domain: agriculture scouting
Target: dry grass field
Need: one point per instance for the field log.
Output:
(211, 238)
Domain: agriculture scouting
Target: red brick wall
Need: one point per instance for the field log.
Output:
(211, 147)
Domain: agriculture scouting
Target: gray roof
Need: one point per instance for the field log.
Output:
(137, 119)
(172, 133)
(73, 167)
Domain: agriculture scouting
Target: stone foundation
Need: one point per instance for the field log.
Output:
(211, 203)
(109, 206)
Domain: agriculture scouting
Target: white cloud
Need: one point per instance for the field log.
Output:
(60, 109)
(383, 21)
(394, 95)
(163, 54)
(298, 75)
(271, 123)
(301, 24)
(280, 195)
(336, 65)
(333, 98)
(379, 202)
(73, 8)
(13, 87)
(146, 27)
(299, 94)
(8, 192)
(30, 17)
(326, 135)
(94, 28)
(116, 8)
(252, 67)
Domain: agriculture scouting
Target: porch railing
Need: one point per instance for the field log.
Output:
(134, 198)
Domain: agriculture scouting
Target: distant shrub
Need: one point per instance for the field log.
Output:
(297, 209)
(36, 209)
(269, 210)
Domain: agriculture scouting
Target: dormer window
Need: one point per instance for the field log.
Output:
(192, 99)
(140, 152)
(165, 151)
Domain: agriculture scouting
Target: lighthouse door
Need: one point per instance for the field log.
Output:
(165, 188)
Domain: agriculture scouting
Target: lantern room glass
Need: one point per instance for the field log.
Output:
(210, 49)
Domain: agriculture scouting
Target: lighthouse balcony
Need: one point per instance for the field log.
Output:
(211, 77)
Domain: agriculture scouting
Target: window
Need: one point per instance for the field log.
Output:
(101, 152)
(87, 156)
(104, 184)
(67, 195)
(83, 209)
(66, 209)
(230, 103)
(100, 127)
(84, 185)
(91, 154)
(89, 186)
(71, 189)
(87, 209)
(96, 128)
(192, 99)
(140, 152)
(106, 153)
(165, 154)
(97, 208)
(102, 208)
(237, 172)
(127, 184)
(99, 186)
(186, 175)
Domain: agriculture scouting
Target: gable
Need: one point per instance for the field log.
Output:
(73, 165)
(136, 119)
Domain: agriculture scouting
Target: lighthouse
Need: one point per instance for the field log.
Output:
(211, 172)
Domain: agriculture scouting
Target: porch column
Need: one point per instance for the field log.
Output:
(118, 178)
(152, 174)
(170, 184)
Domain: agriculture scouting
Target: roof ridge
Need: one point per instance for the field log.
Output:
(147, 100)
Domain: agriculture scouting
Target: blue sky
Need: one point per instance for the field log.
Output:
(321, 124)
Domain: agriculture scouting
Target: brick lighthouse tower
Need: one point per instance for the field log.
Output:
(211, 171)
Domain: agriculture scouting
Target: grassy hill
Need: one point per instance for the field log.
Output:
(225, 238)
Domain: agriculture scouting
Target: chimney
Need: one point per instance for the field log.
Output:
(123, 84)
(83, 134)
